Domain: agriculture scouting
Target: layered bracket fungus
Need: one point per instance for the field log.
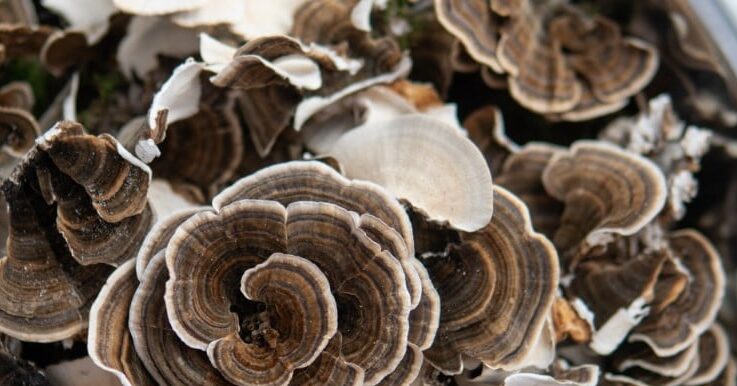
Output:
(76, 207)
(308, 277)
(367, 192)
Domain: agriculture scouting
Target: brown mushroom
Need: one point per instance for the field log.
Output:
(605, 190)
(501, 276)
(75, 200)
(713, 351)
(522, 174)
(18, 130)
(368, 341)
(680, 323)
(109, 344)
(298, 299)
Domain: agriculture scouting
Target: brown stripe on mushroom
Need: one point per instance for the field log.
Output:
(330, 368)
(713, 351)
(167, 359)
(18, 130)
(373, 302)
(314, 181)
(500, 276)
(680, 323)
(522, 174)
(17, 94)
(115, 180)
(218, 153)
(474, 25)
(449, 182)
(605, 190)
(46, 296)
(109, 342)
(641, 356)
(301, 316)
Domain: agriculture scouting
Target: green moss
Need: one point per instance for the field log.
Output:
(30, 71)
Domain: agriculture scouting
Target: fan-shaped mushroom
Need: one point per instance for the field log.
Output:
(605, 191)
(74, 201)
(501, 276)
(556, 59)
(385, 153)
(680, 323)
(522, 174)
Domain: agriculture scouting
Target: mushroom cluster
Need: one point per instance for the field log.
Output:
(341, 192)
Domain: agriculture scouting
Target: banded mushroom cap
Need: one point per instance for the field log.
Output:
(522, 173)
(616, 295)
(680, 323)
(496, 290)
(361, 274)
(109, 342)
(642, 357)
(17, 94)
(314, 181)
(18, 130)
(166, 359)
(77, 204)
(713, 352)
(605, 190)
(296, 80)
(554, 58)
(450, 182)
(218, 154)
(473, 23)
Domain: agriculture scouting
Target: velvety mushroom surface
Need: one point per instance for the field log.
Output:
(367, 192)
(76, 206)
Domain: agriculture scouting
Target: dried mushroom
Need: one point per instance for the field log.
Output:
(605, 191)
(367, 192)
(77, 204)
(488, 283)
(555, 59)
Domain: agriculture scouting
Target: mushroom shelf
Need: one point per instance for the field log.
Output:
(368, 192)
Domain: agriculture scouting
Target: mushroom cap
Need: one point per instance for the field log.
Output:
(18, 130)
(641, 356)
(328, 236)
(67, 289)
(167, 359)
(713, 351)
(300, 303)
(17, 94)
(496, 289)
(385, 153)
(695, 309)
(218, 154)
(474, 25)
(109, 343)
(74, 201)
(605, 190)
(522, 173)
(18, 40)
